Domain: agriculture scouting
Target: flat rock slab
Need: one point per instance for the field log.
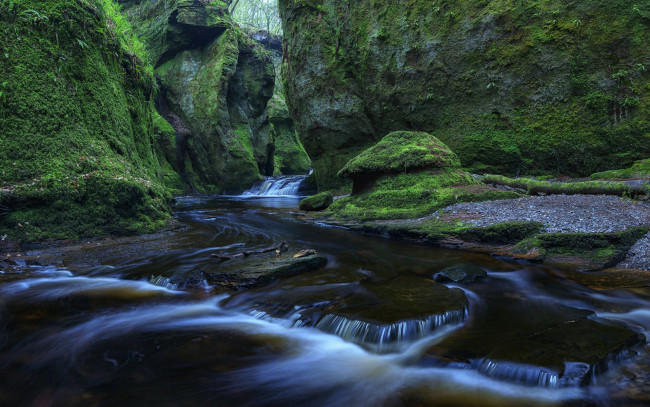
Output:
(264, 269)
(538, 343)
(401, 309)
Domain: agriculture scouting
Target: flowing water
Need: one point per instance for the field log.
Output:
(284, 186)
(371, 328)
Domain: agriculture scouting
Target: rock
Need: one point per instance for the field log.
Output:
(264, 270)
(501, 98)
(398, 152)
(215, 85)
(76, 114)
(304, 253)
(460, 273)
(382, 315)
(290, 156)
(317, 202)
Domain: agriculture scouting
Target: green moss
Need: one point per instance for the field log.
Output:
(401, 151)
(535, 90)
(406, 196)
(290, 155)
(76, 113)
(639, 170)
(534, 187)
(502, 233)
(318, 202)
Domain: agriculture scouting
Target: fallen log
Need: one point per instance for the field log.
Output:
(279, 249)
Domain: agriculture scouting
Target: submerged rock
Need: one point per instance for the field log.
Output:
(460, 273)
(545, 344)
(264, 269)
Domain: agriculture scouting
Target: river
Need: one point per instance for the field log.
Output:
(370, 328)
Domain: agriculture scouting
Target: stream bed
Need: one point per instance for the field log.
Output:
(370, 328)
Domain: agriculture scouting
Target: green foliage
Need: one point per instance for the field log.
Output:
(639, 170)
(260, 14)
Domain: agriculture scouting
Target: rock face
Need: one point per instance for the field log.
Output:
(76, 117)
(509, 86)
(290, 156)
(215, 85)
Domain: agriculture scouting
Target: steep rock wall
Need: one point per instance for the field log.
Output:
(511, 86)
(76, 156)
(215, 85)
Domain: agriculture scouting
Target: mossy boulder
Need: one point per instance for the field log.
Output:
(77, 133)
(407, 175)
(399, 151)
(531, 87)
(317, 202)
(215, 85)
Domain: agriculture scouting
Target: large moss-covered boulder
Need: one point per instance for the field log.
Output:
(399, 151)
(76, 102)
(407, 175)
(215, 85)
(510, 86)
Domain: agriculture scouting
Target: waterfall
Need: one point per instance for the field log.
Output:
(284, 185)
(388, 337)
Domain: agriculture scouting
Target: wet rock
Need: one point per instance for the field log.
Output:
(383, 315)
(317, 202)
(460, 273)
(263, 270)
(545, 344)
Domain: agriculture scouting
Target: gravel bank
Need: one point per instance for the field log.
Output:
(639, 255)
(566, 214)
(560, 213)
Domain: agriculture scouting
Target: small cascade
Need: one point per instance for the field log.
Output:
(520, 374)
(388, 337)
(284, 185)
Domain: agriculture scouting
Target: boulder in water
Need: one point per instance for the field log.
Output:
(460, 273)
(263, 270)
(317, 202)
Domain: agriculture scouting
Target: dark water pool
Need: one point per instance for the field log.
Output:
(371, 328)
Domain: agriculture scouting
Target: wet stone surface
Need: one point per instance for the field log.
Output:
(460, 273)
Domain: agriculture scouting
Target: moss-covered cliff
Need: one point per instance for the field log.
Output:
(76, 108)
(510, 86)
(215, 85)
